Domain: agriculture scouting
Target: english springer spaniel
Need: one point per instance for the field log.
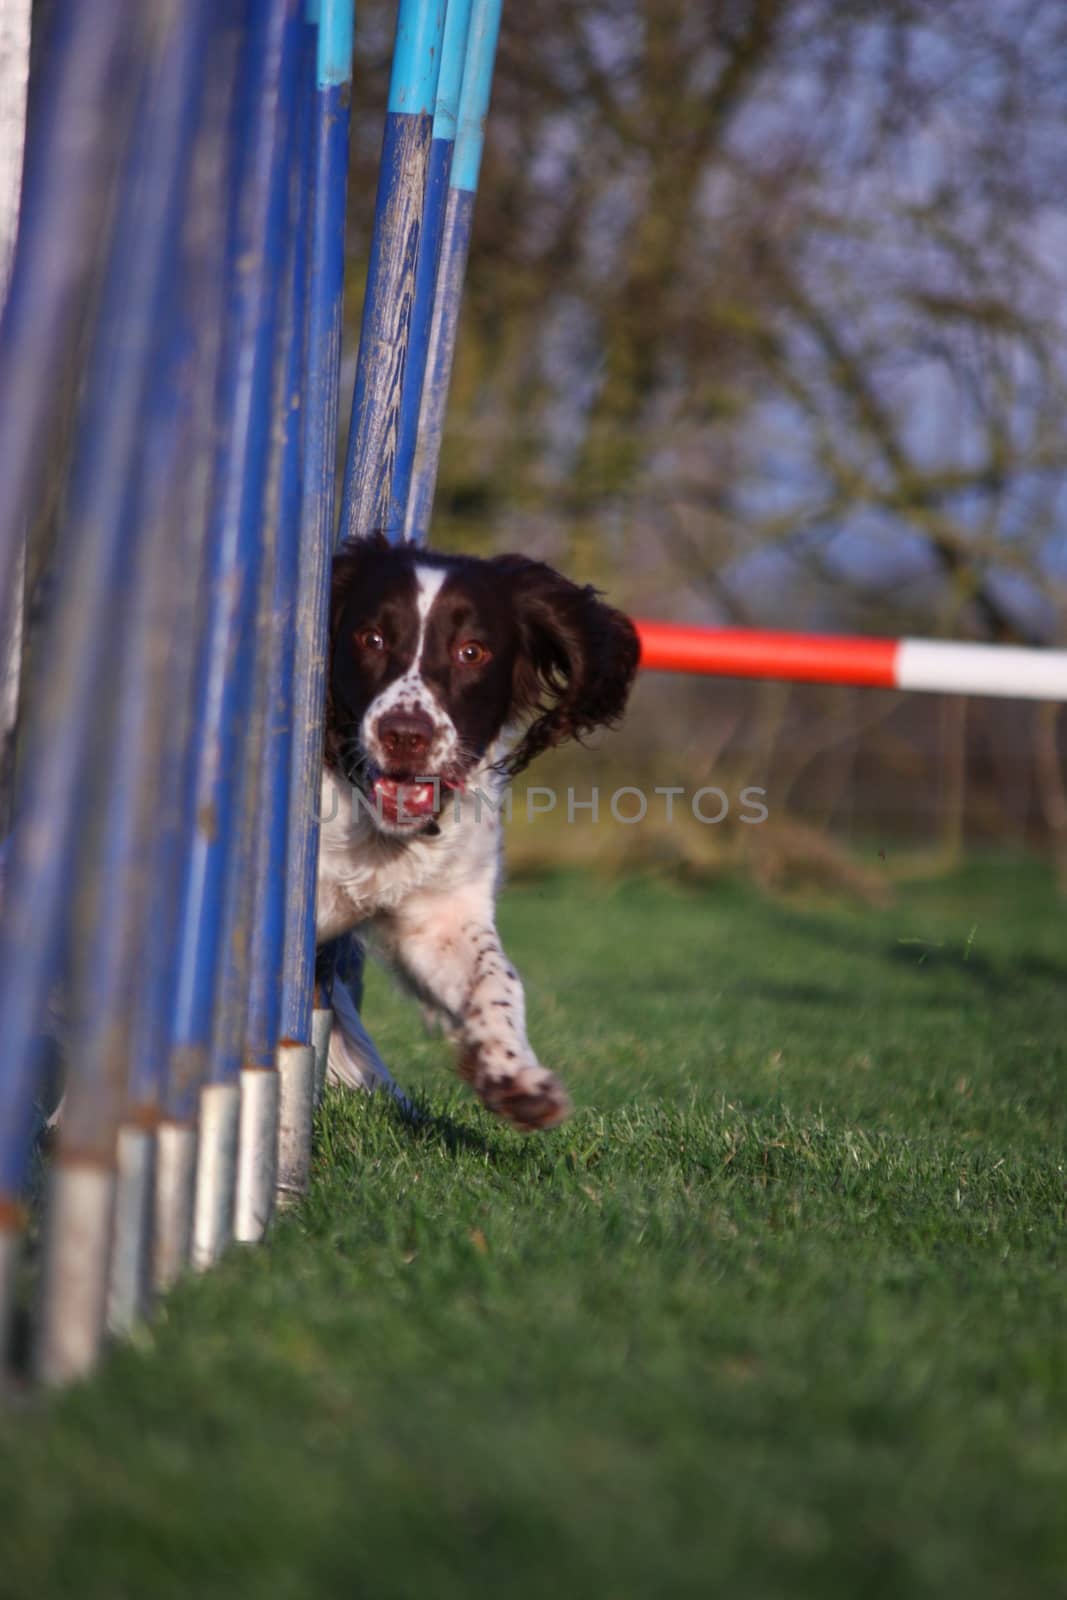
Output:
(447, 676)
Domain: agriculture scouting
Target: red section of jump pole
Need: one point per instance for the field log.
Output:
(759, 653)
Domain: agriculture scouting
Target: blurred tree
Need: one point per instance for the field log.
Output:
(766, 299)
(767, 321)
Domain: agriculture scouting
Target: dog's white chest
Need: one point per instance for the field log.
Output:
(364, 872)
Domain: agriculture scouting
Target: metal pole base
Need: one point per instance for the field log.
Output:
(175, 1185)
(321, 1028)
(296, 1073)
(130, 1289)
(216, 1172)
(257, 1153)
(75, 1277)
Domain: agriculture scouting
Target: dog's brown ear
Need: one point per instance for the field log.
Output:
(576, 662)
(348, 575)
(349, 568)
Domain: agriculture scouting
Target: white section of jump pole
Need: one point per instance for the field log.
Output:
(1007, 671)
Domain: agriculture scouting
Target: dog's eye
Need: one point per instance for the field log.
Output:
(370, 639)
(471, 654)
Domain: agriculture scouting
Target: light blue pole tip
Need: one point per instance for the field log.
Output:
(453, 54)
(420, 29)
(474, 99)
(336, 19)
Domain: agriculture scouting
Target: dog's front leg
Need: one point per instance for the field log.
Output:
(448, 951)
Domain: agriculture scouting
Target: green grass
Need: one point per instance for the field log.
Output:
(783, 1310)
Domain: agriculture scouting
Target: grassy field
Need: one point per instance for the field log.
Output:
(782, 1311)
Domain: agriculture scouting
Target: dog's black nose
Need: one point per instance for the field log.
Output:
(405, 735)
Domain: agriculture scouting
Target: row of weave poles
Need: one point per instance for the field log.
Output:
(181, 250)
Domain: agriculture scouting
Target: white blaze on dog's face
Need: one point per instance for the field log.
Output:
(432, 656)
(405, 730)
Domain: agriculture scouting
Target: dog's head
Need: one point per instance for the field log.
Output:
(433, 656)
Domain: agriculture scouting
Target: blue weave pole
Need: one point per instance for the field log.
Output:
(86, 90)
(268, 934)
(259, 1085)
(325, 293)
(200, 312)
(394, 253)
(103, 552)
(452, 268)
(176, 496)
(222, 702)
(442, 143)
(250, 979)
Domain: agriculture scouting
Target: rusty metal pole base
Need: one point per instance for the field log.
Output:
(216, 1172)
(321, 1028)
(74, 1286)
(172, 1241)
(130, 1288)
(257, 1153)
(296, 1074)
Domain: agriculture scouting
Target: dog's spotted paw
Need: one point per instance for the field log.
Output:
(530, 1107)
(530, 1098)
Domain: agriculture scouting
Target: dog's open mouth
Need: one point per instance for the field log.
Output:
(410, 801)
(399, 801)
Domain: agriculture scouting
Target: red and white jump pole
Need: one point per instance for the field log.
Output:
(933, 666)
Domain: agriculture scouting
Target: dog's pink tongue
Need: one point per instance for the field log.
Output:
(405, 802)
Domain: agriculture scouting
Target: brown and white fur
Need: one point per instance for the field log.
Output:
(447, 676)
